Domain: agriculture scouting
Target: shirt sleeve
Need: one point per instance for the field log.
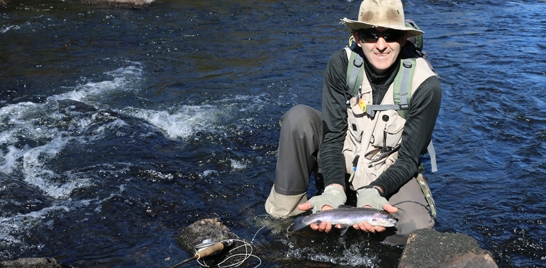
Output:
(334, 119)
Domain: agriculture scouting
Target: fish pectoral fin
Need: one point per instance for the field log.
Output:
(344, 229)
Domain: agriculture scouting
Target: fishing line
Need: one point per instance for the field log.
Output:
(239, 258)
(408, 201)
(245, 256)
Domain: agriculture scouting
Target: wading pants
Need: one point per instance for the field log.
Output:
(299, 144)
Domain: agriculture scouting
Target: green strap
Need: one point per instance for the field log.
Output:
(355, 73)
(402, 85)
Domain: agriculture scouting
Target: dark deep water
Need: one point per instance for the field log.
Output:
(119, 126)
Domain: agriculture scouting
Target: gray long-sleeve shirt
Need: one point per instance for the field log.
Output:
(423, 111)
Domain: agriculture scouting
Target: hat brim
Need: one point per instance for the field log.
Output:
(354, 25)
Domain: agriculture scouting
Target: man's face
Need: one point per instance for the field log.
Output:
(381, 46)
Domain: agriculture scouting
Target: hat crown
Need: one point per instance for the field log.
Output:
(382, 13)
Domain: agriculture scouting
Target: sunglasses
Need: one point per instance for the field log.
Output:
(371, 36)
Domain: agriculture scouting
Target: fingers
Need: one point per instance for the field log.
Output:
(326, 207)
(366, 227)
(390, 208)
(322, 227)
(305, 206)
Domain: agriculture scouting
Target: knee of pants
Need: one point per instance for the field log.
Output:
(301, 117)
(418, 218)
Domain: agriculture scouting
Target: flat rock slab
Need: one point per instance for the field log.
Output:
(429, 248)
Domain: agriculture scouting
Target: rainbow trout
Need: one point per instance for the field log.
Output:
(348, 216)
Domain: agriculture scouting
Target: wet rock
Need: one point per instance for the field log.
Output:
(31, 263)
(68, 105)
(429, 248)
(202, 230)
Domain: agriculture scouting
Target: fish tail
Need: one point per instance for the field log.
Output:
(298, 223)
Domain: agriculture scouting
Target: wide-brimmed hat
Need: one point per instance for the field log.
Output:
(380, 13)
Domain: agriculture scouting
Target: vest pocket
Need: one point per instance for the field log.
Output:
(369, 171)
(388, 132)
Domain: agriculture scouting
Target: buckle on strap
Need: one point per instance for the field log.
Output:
(372, 108)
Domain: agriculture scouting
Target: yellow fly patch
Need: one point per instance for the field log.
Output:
(362, 105)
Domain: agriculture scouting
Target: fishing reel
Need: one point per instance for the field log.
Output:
(207, 248)
(205, 244)
(211, 247)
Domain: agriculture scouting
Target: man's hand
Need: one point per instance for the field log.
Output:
(333, 196)
(323, 226)
(364, 226)
(370, 198)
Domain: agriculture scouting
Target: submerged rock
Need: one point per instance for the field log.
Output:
(429, 248)
(31, 263)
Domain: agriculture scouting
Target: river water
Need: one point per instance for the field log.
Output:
(119, 126)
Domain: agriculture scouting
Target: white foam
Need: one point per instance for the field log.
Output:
(182, 123)
(36, 172)
(40, 122)
(208, 173)
(24, 222)
(10, 27)
(237, 165)
(93, 93)
(10, 159)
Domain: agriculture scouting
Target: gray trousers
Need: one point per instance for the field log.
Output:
(299, 145)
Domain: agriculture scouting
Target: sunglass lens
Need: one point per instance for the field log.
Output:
(393, 35)
(373, 36)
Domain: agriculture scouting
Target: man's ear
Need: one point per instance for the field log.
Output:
(403, 41)
(357, 39)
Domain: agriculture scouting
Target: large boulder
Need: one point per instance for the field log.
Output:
(429, 248)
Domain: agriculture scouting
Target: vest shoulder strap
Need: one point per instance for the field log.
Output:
(402, 85)
(355, 71)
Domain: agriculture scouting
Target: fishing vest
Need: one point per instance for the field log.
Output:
(374, 132)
